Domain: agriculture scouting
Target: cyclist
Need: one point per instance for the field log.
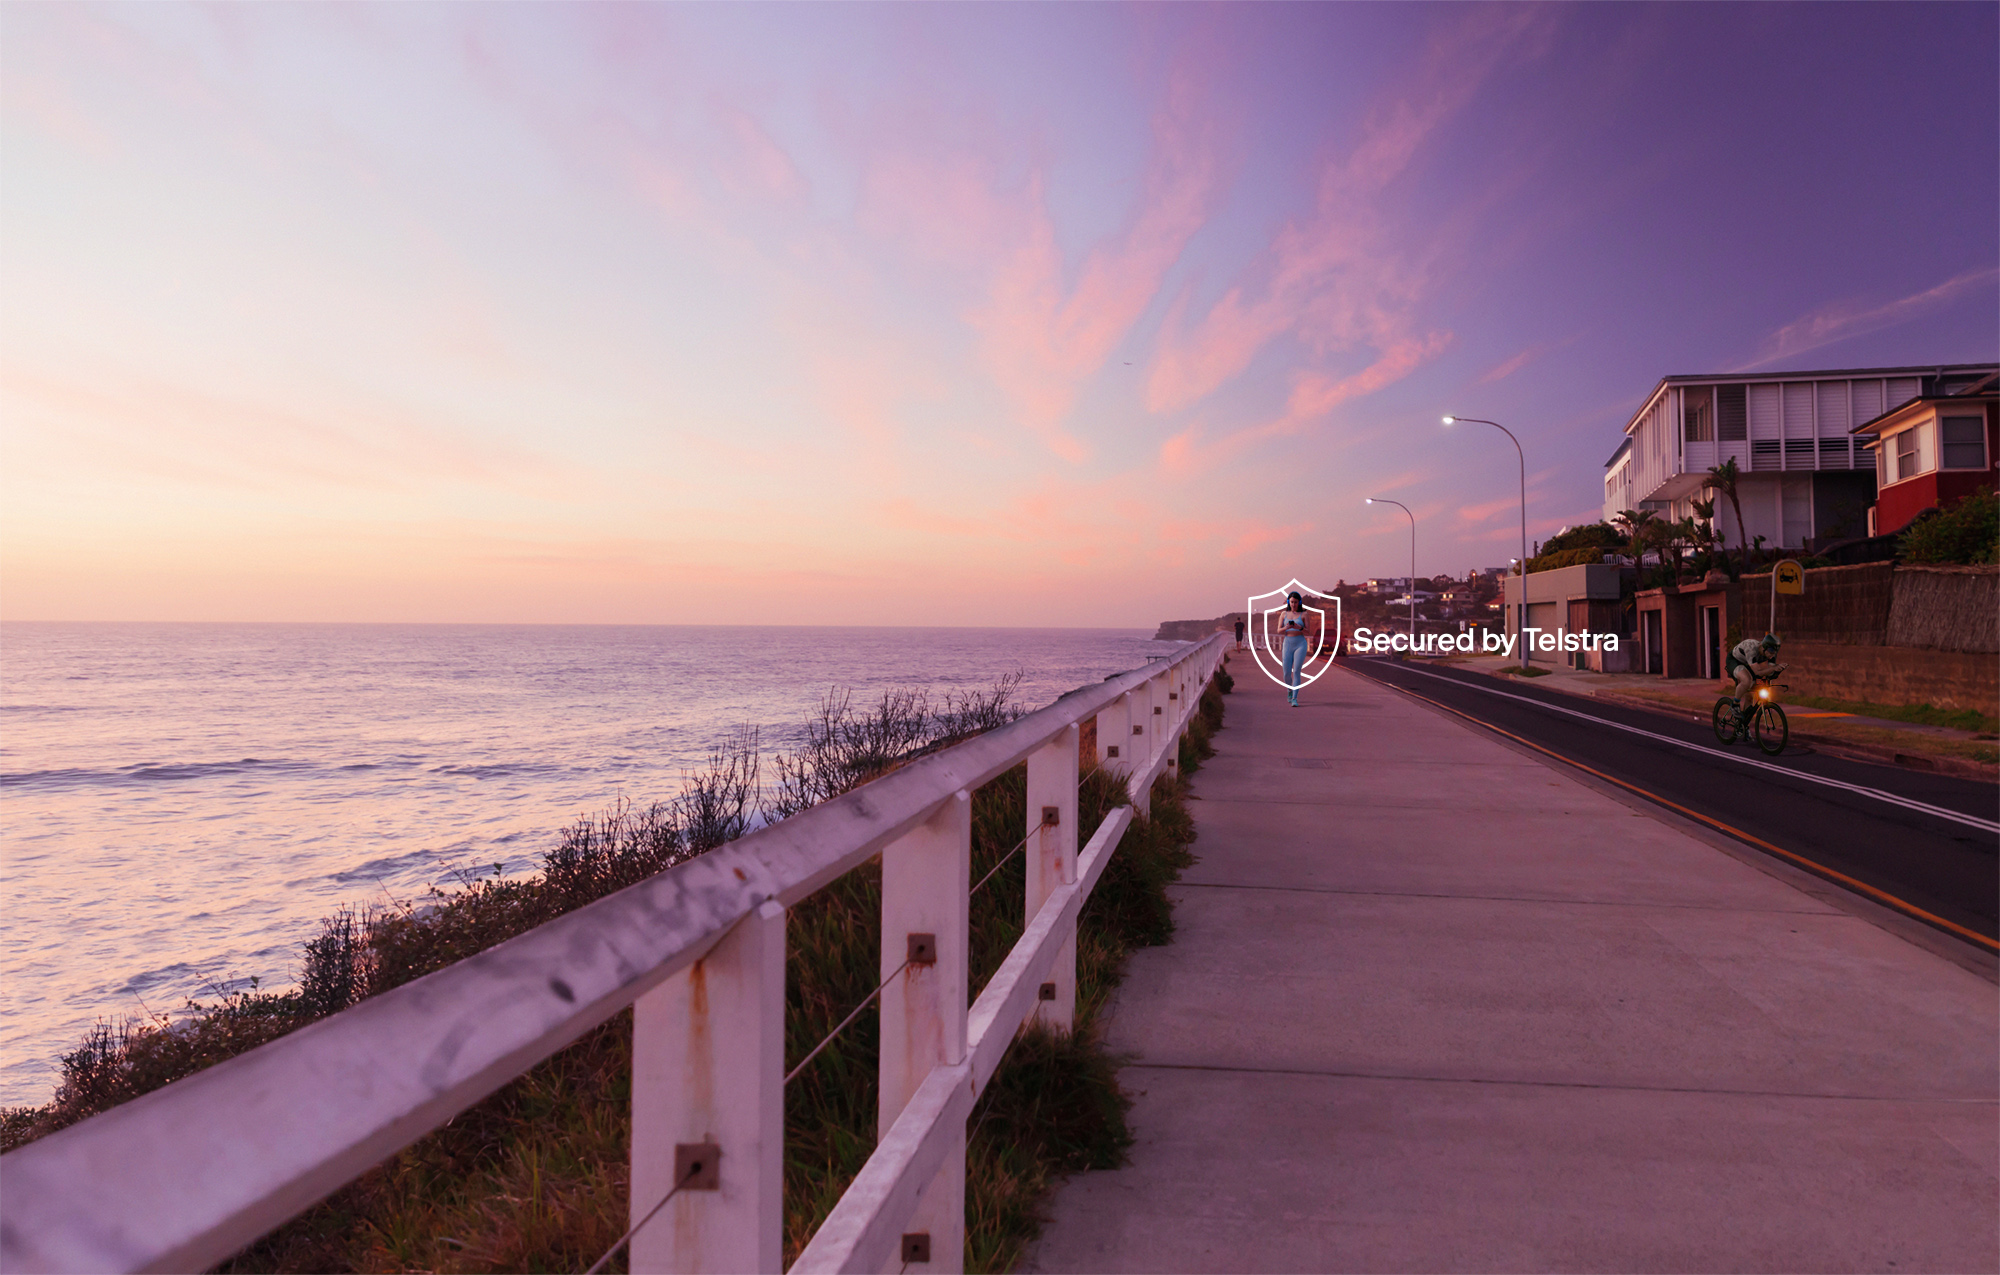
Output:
(1749, 660)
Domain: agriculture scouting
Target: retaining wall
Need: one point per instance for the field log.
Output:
(1893, 675)
(1946, 608)
(1840, 604)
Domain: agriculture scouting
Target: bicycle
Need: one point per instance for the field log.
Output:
(1764, 721)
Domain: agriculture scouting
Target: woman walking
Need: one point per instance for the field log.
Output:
(1292, 626)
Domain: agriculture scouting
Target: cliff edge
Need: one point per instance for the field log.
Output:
(1196, 630)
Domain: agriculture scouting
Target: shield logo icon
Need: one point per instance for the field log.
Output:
(1322, 632)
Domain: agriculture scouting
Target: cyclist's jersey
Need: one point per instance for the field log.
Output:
(1748, 651)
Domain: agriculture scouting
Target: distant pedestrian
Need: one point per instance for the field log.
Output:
(1292, 626)
(1239, 635)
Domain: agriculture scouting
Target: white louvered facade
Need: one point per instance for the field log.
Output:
(1780, 429)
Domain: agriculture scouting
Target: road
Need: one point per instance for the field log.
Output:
(1929, 843)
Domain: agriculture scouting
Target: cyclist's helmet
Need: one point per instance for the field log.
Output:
(1770, 642)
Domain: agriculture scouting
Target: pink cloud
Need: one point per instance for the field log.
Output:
(1313, 396)
(755, 163)
(1334, 280)
(1488, 509)
(1042, 335)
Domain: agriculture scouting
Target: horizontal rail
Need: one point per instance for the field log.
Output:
(185, 1176)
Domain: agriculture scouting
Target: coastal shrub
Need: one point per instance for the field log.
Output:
(534, 1177)
(843, 748)
(1966, 532)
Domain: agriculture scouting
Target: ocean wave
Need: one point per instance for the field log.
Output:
(501, 770)
(145, 773)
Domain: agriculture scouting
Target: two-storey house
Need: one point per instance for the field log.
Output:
(1933, 450)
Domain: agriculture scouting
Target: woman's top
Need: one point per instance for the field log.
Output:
(1292, 623)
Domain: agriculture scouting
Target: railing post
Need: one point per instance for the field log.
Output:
(1139, 744)
(1114, 730)
(708, 1068)
(926, 921)
(1052, 780)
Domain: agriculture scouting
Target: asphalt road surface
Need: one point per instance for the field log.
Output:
(1930, 842)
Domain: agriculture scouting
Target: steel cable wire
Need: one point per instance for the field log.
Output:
(611, 1252)
(1003, 862)
(828, 1038)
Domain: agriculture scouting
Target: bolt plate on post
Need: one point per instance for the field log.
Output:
(1172, 695)
(1051, 816)
(698, 1166)
(1157, 710)
(1111, 750)
(923, 949)
(917, 1247)
(1048, 992)
(1138, 730)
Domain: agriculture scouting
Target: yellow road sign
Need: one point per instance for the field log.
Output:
(1789, 577)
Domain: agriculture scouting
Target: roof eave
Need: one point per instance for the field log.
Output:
(1876, 425)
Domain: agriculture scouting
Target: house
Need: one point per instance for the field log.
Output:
(1808, 476)
(1931, 451)
(1579, 599)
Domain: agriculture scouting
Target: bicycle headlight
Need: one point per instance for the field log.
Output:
(1764, 694)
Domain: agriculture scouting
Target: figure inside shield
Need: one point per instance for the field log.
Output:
(1298, 645)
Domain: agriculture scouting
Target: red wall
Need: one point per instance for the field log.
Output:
(1896, 505)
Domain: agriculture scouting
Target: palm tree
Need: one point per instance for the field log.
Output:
(1639, 526)
(1702, 531)
(1724, 478)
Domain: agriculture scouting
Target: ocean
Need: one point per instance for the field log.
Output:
(181, 803)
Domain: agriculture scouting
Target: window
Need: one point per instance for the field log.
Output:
(1730, 413)
(1695, 419)
(1905, 444)
(1964, 442)
(1882, 464)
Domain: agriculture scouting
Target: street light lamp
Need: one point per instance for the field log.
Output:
(1521, 614)
(1374, 500)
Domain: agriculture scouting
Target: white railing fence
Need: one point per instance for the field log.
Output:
(181, 1178)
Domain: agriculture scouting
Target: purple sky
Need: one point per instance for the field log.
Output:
(1022, 314)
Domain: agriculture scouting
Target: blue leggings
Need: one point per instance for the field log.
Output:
(1295, 664)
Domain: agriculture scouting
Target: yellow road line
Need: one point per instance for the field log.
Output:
(1882, 896)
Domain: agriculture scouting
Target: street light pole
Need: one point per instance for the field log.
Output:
(1377, 500)
(1521, 615)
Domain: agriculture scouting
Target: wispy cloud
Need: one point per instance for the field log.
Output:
(1534, 353)
(1040, 334)
(1337, 281)
(1841, 320)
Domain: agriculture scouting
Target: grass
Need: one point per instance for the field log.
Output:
(1837, 729)
(534, 1178)
(1918, 714)
(1515, 670)
(1902, 741)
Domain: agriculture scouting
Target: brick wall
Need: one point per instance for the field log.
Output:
(1946, 608)
(1893, 675)
(1841, 604)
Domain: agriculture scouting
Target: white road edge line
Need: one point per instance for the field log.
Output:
(1973, 821)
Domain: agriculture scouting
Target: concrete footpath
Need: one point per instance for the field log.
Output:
(1436, 1005)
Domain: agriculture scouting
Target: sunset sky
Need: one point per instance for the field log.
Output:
(914, 314)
